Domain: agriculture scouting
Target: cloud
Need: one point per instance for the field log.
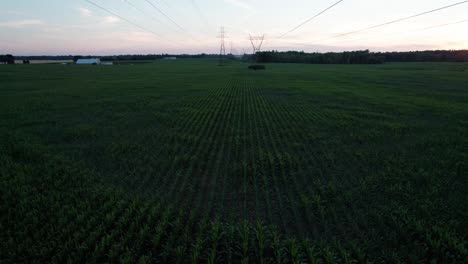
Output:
(239, 3)
(85, 12)
(12, 12)
(110, 19)
(21, 23)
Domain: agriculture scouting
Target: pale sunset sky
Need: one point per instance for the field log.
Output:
(62, 27)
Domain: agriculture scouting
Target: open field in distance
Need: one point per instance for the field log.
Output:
(44, 61)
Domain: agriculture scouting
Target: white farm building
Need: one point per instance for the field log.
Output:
(88, 61)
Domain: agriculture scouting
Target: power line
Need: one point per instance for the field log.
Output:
(124, 19)
(150, 16)
(381, 25)
(397, 33)
(426, 28)
(164, 14)
(201, 15)
(170, 19)
(312, 18)
(399, 20)
(128, 2)
(165, 3)
(442, 25)
(197, 8)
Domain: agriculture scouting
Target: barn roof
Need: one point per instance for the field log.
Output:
(88, 61)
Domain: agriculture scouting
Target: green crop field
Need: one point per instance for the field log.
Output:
(186, 162)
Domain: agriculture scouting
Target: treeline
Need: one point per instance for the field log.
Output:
(136, 57)
(347, 57)
(127, 57)
(361, 57)
(353, 57)
(46, 57)
(157, 57)
(8, 59)
(426, 56)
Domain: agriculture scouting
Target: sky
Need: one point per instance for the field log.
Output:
(58, 27)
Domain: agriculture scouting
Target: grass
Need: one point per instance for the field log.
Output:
(189, 162)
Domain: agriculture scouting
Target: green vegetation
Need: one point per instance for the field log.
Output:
(362, 57)
(7, 59)
(186, 162)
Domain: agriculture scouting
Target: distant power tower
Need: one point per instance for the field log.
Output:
(257, 42)
(222, 50)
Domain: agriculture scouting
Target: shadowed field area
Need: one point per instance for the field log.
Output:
(299, 163)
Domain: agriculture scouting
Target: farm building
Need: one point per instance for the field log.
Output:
(88, 61)
(170, 58)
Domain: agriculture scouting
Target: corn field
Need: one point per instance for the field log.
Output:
(191, 163)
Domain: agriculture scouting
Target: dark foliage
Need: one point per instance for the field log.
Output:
(9, 59)
(46, 57)
(353, 57)
(127, 57)
(426, 56)
(257, 67)
(362, 57)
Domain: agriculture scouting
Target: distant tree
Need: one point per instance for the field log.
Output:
(361, 57)
(76, 58)
(9, 59)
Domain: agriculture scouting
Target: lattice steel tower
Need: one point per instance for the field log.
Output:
(257, 42)
(222, 50)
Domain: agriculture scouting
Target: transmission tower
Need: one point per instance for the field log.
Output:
(257, 42)
(222, 50)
